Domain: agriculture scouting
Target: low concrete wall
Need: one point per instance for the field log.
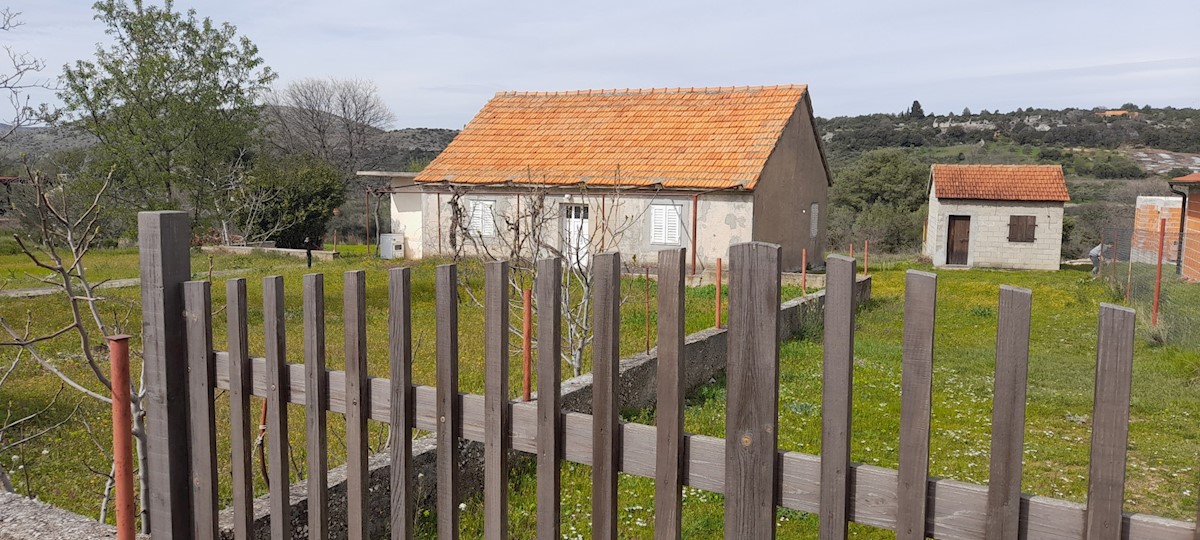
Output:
(22, 518)
(318, 255)
(704, 357)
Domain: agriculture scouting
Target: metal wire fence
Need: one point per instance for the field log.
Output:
(1143, 270)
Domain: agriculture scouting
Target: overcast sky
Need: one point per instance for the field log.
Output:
(437, 62)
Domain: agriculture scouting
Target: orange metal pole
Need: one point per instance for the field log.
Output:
(866, 256)
(1162, 239)
(118, 358)
(526, 343)
(648, 310)
(804, 270)
(718, 299)
(851, 250)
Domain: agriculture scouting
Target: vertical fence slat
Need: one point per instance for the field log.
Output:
(668, 469)
(315, 421)
(239, 408)
(449, 420)
(1008, 414)
(549, 375)
(496, 416)
(920, 303)
(1110, 422)
(202, 379)
(354, 316)
(606, 361)
(274, 330)
(836, 398)
(165, 263)
(752, 421)
(402, 413)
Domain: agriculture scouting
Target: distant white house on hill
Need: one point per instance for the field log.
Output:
(996, 216)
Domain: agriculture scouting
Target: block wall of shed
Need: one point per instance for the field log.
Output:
(989, 245)
(1191, 237)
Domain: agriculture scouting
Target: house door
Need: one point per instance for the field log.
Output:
(576, 234)
(959, 240)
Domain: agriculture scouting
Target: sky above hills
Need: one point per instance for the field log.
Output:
(436, 63)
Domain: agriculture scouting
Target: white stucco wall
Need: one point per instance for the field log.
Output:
(407, 220)
(722, 219)
(989, 246)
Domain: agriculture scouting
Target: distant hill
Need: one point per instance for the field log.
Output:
(41, 141)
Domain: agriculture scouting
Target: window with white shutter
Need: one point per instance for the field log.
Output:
(665, 220)
(483, 221)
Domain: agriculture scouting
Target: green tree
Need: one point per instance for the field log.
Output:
(966, 111)
(172, 102)
(916, 111)
(289, 201)
(887, 176)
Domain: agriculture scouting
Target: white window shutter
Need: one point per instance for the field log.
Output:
(658, 223)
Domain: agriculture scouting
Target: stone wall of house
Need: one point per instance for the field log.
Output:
(616, 220)
(989, 244)
(704, 357)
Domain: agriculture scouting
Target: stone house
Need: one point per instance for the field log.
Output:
(996, 216)
(577, 173)
(1189, 187)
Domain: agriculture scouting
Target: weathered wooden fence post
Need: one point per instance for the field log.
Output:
(752, 419)
(163, 244)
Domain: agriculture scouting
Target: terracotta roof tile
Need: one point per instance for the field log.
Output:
(1193, 178)
(698, 138)
(1000, 182)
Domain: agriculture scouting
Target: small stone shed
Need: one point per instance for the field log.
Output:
(637, 170)
(996, 216)
(1189, 187)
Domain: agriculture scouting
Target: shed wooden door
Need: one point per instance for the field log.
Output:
(959, 240)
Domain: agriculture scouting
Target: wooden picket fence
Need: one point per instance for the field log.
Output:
(183, 372)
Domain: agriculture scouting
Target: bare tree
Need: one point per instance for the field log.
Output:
(18, 77)
(65, 233)
(523, 236)
(333, 119)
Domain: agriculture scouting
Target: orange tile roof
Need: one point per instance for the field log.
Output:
(1000, 182)
(1188, 179)
(692, 138)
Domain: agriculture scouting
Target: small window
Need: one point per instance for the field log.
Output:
(814, 221)
(483, 221)
(1021, 228)
(664, 224)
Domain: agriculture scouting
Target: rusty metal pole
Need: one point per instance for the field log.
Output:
(866, 257)
(803, 270)
(851, 250)
(118, 359)
(526, 343)
(647, 310)
(1129, 279)
(1162, 240)
(718, 299)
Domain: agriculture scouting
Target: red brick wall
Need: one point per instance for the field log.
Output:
(1191, 239)
(1146, 222)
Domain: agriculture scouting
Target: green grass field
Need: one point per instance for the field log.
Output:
(61, 468)
(1164, 435)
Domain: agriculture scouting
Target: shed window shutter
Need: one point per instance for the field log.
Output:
(1022, 228)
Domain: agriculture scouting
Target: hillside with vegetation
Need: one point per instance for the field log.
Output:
(881, 164)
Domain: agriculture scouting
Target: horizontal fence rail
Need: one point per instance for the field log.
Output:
(746, 465)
